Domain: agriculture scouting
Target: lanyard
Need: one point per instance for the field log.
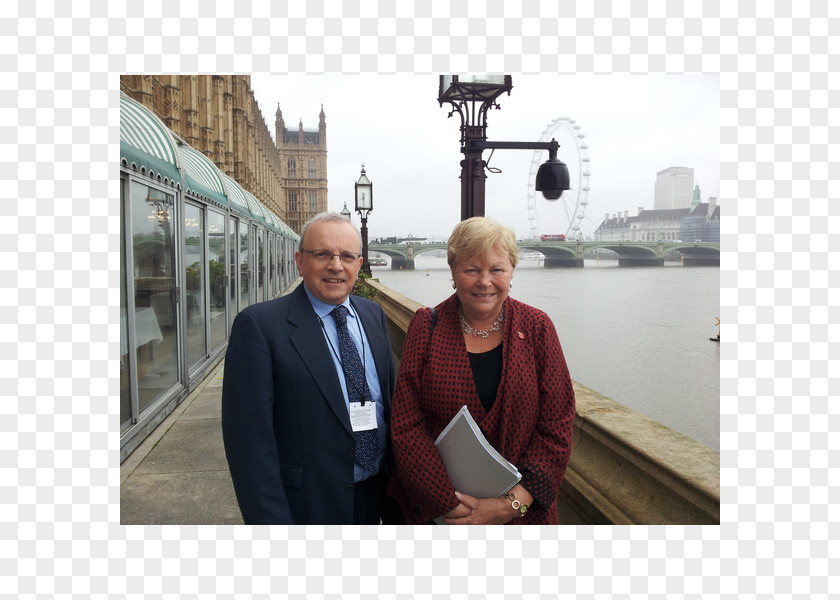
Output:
(338, 356)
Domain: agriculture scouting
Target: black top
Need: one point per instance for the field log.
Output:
(487, 373)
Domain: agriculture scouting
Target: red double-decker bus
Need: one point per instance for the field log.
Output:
(553, 237)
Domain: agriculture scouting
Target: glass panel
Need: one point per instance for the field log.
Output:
(244, 274)
(153, 240)
(194, 281)
(279, 259)
(289, 265)
(216, 271)
(271, 242)
(281, 263)
(482, 78)
(260, 238)
(233, 246)
(125, 374)
(278, 262)
(281, 247)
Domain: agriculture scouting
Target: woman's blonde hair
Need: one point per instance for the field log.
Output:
(477, 237)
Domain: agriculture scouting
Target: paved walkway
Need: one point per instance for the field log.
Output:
(179, 474)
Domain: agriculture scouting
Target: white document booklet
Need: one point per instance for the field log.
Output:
(473, 465)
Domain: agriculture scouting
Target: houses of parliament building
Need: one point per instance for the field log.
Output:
(219, 116)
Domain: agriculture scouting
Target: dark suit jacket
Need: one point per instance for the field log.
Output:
(286, 428)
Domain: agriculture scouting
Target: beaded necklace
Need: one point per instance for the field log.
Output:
(484, 333)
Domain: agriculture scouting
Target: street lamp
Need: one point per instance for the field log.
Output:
(364, 205)
(471, 97)
(345, 212)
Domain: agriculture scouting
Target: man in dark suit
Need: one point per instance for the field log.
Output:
(291, 415)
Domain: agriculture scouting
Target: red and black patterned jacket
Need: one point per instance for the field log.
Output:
(530, 423)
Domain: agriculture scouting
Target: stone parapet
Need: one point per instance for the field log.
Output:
(399, 309)
(629, 469)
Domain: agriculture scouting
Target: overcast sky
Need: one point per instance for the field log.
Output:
(634, 126)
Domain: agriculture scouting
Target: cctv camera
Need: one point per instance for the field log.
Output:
(552, 179)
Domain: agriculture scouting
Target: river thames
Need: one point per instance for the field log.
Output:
(639, 336)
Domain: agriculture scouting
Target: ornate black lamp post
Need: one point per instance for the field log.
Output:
(345, 212)
(364, 205)
(471, 97)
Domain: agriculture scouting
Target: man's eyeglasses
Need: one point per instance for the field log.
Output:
(326, 255)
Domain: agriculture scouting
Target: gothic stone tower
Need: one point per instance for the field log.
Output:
(303, 159)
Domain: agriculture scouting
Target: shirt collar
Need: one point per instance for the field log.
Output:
(322, 309)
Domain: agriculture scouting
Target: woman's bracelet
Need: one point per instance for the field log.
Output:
(516, 504)
(450, 514)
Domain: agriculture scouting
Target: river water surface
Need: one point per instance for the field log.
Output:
(637, 335)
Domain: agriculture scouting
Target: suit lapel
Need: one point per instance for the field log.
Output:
(308, 340)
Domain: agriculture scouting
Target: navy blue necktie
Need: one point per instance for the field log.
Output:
(367, 442)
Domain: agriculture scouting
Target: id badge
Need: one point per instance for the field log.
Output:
(363, 418)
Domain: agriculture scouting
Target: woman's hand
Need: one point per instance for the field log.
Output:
(484, 511)
(461, 511)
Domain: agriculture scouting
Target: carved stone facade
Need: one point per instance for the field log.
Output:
(304, 168)
(219, 116)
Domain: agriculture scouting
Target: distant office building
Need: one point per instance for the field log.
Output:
(674, 187)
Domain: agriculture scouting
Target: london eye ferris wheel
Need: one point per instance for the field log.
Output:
(564, 215)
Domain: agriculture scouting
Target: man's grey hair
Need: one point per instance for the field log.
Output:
(329, 217)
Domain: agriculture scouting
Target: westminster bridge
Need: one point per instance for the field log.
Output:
(570, 254)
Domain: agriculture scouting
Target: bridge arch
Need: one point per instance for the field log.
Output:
(556, 255)
(402, 255)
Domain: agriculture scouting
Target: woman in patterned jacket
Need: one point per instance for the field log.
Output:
(503, 360)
